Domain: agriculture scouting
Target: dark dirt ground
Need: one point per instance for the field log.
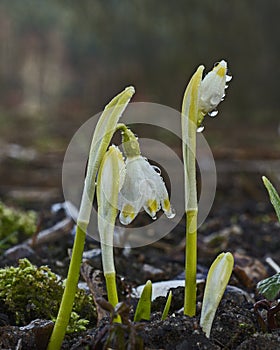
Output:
(241, 221)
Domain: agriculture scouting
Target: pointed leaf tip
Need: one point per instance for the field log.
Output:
(130, 89)
(143, 309)
(273, 196)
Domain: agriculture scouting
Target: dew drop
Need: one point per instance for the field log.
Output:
(157, 169)
(228, 78)
(171, 213)
(200, 128)
(154, 217)
(215, 100)
(213, 113)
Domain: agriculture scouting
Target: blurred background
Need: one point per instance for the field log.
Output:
(62, 61)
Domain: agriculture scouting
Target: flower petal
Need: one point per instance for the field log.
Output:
(128, 214)
(152, 207)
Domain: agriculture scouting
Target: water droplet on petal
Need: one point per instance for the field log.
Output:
(151, 207)
(127, 214)
(157, 169)
(154, 217)
(228, 78)
(215, 100)
(125, 220)
(200, 128)
(171, 213)
(213, 113)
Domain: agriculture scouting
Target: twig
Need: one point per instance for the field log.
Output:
(96, 286)
(273, 264)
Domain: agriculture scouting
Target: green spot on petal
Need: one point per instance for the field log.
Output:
(166, 205)
(128, 211)
(152, 205)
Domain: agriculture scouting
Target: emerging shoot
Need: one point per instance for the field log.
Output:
(217, 280)
(143, 309)
(167, 306)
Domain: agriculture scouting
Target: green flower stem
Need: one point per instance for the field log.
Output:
(108, 186)
(191, 224)
(69, 292)
(130, 143)
(103, 133)
(200, 98)
(190, 117)
(111, 288)
(109, 272)
(112, 292)
(190, 263)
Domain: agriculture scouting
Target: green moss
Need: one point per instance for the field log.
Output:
(15, 225)
(28, 292)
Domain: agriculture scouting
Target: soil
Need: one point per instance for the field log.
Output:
(241, 221)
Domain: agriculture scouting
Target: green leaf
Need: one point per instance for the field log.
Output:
(273, 195)
(143, 310)
(167, 306)
(270, 286)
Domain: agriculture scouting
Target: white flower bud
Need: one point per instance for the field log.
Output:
(212, 88)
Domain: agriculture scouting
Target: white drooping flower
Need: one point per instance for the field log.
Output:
(212, 89)
(142, 187)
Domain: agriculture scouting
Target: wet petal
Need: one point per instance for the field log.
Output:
(143, 187)
(212, 88)
(128, 214)
(152, 207)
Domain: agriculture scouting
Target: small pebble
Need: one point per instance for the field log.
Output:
(19, 251)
